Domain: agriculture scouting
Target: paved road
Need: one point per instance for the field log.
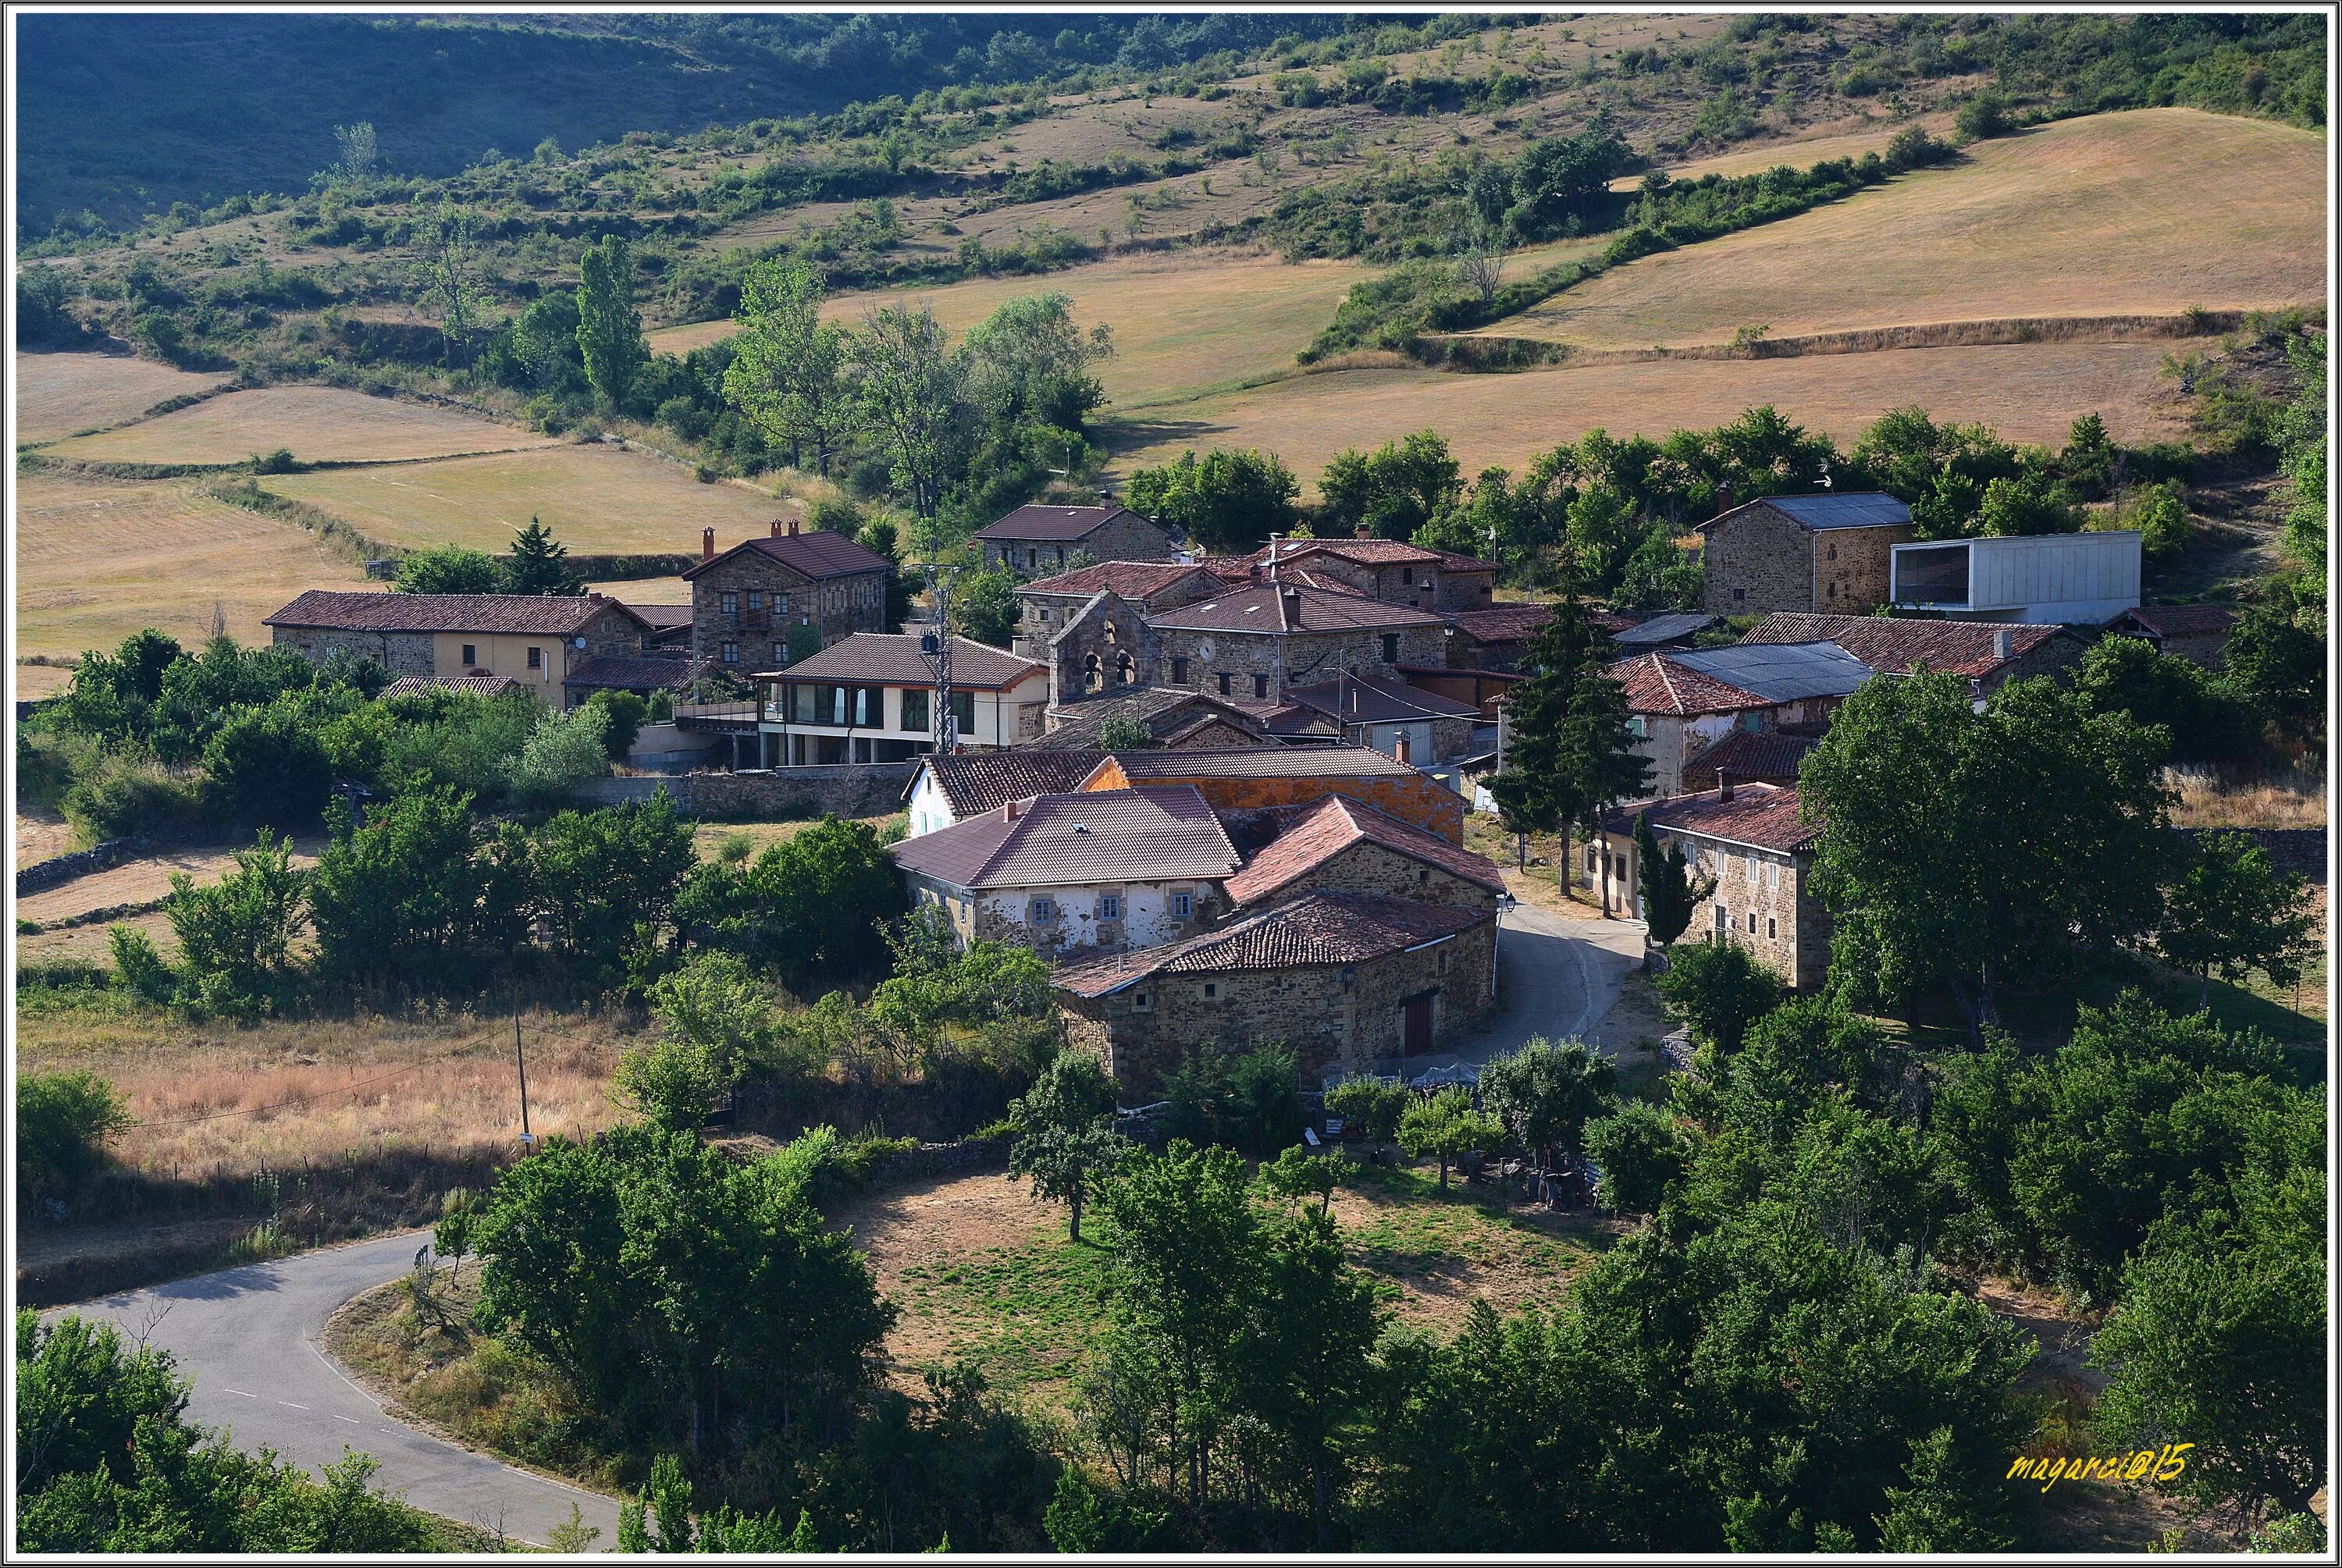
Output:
(248, 1338)
(1556, 977)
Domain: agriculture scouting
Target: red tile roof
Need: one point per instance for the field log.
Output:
(1261, 762)
(1656, 684)
(1758, 815)
(1898, 646)
(663, 618)
(2181, 620)
(521, 614)
(1321, 928)
(1230, 568)
(818, 553)
(1502, 623)
(1157, 835)
(1129, 579)
(894, 659)
(1325, 829)
(631, 672)
(1377, 553)
(978, 782)
(1256, 609)
(1034, 521)
(1772, 756)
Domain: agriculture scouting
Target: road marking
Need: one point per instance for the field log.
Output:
(288, 1402)
(353, 1419)
(239, 1394)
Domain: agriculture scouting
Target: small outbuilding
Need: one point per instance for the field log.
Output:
(2069, 579)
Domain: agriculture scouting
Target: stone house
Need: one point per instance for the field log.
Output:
(1047, 605)
(1102, 645)
(1178, 721)
(535, 639)
(1395, 717)
(744, 601)
(1753, 756)
(1345, 979)
(1679, 704)
(1252, 644)
(1104, 871)
(1389, 570)
(640, 674)
(1990, 654)
(870, 699)
(1339, 845)
(1035, 539)
(1495, 638)
(1747, 843)
(2197, 632)
(1247, 784)
(964, 784)
(1827, 554)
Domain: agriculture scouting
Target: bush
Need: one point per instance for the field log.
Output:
(139, 966)
(562, 751)
(1250, 1103)
(267, 768)
(1371, 1103)
(622, 715)
(1982, 118)
(1719, 989)
(126, 794)
(63, 1120)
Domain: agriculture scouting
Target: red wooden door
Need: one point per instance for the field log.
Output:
(1415, 1017)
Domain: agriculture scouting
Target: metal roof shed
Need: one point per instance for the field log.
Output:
(2072, 579)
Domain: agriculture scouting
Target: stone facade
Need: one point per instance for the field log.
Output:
(400, 652)
(1142, 1031)
(1762, 899)
(1760, 561)
(1102, 646)
(1367, 867)
(1257, 667)
(746, 603)
(1125, 536)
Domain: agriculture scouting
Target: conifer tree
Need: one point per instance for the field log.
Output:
(539, 563)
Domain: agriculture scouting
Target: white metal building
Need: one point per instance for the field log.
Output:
(2070, 579)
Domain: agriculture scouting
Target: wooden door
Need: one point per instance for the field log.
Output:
(1415, 1015)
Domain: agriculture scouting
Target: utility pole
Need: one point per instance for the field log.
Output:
(521, 1062)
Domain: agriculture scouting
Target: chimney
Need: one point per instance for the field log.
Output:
(1288, 608)
(2004, 645)
(1365, 532)
(792, 528)
(1723, 786)
(776, 527)
(1009, 812)
(1723, 499)
(1422, 595)
(1400, 749)
(707, 545)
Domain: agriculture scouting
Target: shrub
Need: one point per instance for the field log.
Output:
(1371, 1103)
(63, 1120)
(1719, 989)
(139, 966)
(1982, 118)
(126, 794)
(562, 751)
(623, 714)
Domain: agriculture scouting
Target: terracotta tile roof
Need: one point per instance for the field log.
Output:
(1362, 700)
(2180, 620)
(1162, 709)
(978, 782)
(1772, 756)
(1333, 824)
(1159, 835)
(1758, 815)
(1256, 609)
(1378, 553)
(894, 659)
(1034, 521)
(631, 672)
(480, 686)
(1321, 928)
(1302, 577)
(1502, 623)
(522, 614)
(663, 618)
(1893, 645)
(1656, 684)
(1134, 580)
(1278, 761)
(817, 554)
(1230, 568)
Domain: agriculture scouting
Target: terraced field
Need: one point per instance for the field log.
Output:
(316, 423)
(60, 394)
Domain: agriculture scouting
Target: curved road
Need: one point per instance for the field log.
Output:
(1556, 977)
(248, 1338)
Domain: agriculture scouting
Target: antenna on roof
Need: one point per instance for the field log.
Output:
(1826, 473)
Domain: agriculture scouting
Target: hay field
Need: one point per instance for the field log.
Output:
(2147, 212)
(59, 393)
(594, 498)
(649, 590)
(34, 682)
(2029, 392)
(319, 423)
(96, 559)
(143, 880)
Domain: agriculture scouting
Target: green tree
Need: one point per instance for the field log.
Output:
(446, 275)
(2231, 910)
(1306, 1352)
(1370, 1103)
(413, 895)
(1121, 734)
(609, 328)
(1394, 491)
(2276, 662)
(1227, 504)
(265, 765)
(1911, 774)
(1544, 1093)
(1641, 1150)
(565, 750)
(985, 606)
(1065, 1138)
(596, 875)
(787, 374)
(446, 569)
(1670, 896)
(539, 564)
(63, 1120)
(1446, 1127)
(623, 714)
(2088, 463)
(2029, 502)
(2159, 512)
(2302, 435)
(1298, 1173)
(2206, 721)
(811, 908)
(672, 1083)
(1719, 989)
(235, 935)
(912, 399)
(1570, 755)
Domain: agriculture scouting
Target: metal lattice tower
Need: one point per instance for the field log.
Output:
(945, 721)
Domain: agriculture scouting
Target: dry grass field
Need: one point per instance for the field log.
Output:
(41, 835)
(593, 497)
(59, 393)
(318, 423)
(2145, 213)
(96, 559)
(2030, 392)
(645, 590)
(34, 682)
(1815, 145)
(140, 881)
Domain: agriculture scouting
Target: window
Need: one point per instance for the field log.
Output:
(1183, 904)
(1721, 918)
(1443, 961)
(864, 706)
(780, 654)
(1042, 911)
(1423, 877)
(1739, 595)
(1772, 874)
(471, 656)
(964, 711)
(755, 599)
(1406, 576)
(915, 712)
(1226, 683)
(1211, 990)
(731, 604)
(1752, 923)
(1637, 728)
(537, 658)
(1260, 687)
(1593, 859)
(782, 604)
(837, 705)
(1178, 672)
(1042, 616)
(1140, 1002)
(1390, 647)
(1032, 557)
(1833, 591)
(1772, 927)
(1833, 551)
(731, 653)
(1752, 874)
(1109, 906)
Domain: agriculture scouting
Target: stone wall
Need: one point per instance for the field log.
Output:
(1758, 562)
(1291, 659)
(839, 606)
(1144, 1030)
(1792, 934)
(1091, 650)
(1854, 568)
(781, 794)
(64, 868)
(1368, 867)
(400, 652)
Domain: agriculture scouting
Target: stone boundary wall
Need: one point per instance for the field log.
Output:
(845, 789)
(2295, 849)
(64, 868)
